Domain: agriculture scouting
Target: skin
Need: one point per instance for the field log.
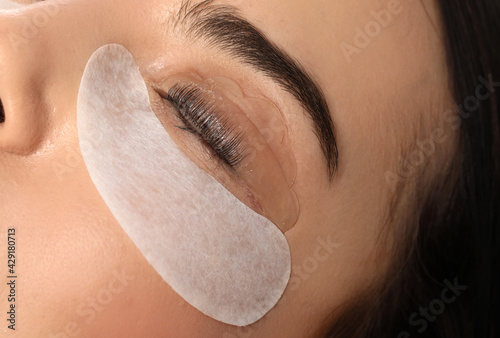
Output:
(70, 249)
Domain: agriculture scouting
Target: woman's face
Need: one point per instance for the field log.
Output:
(380, 67)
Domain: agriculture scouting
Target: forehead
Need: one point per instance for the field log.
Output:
(352, 45)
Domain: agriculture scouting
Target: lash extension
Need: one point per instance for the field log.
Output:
(200, 117)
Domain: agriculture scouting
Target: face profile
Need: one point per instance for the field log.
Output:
(182, 168)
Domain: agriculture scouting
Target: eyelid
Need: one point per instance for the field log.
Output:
(200, 117)
(259, 169)
(267, 118)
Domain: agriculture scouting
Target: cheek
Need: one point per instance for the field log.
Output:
(76, 261)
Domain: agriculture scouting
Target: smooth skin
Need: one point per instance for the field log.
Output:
(79, 275)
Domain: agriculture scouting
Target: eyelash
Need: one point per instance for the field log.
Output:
(201, 118)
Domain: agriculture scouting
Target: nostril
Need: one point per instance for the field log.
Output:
(2, 113)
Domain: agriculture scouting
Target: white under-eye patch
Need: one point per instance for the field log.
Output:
(223, 258)
(6, 4)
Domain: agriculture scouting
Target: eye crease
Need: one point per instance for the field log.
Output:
(201, 118)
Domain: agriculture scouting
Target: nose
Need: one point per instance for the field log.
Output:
(2, 113)
(43, 51)
(25, 110)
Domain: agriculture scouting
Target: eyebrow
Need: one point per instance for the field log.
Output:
(223, 28)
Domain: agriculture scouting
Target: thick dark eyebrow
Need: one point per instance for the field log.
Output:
(223, 28)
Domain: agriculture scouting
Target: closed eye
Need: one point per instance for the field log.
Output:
(200, 117)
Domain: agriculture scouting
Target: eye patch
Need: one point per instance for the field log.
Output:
(224, 259)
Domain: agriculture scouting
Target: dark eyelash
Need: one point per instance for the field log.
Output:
(201, 118)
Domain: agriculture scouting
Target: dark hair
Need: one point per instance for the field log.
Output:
(453, 238)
